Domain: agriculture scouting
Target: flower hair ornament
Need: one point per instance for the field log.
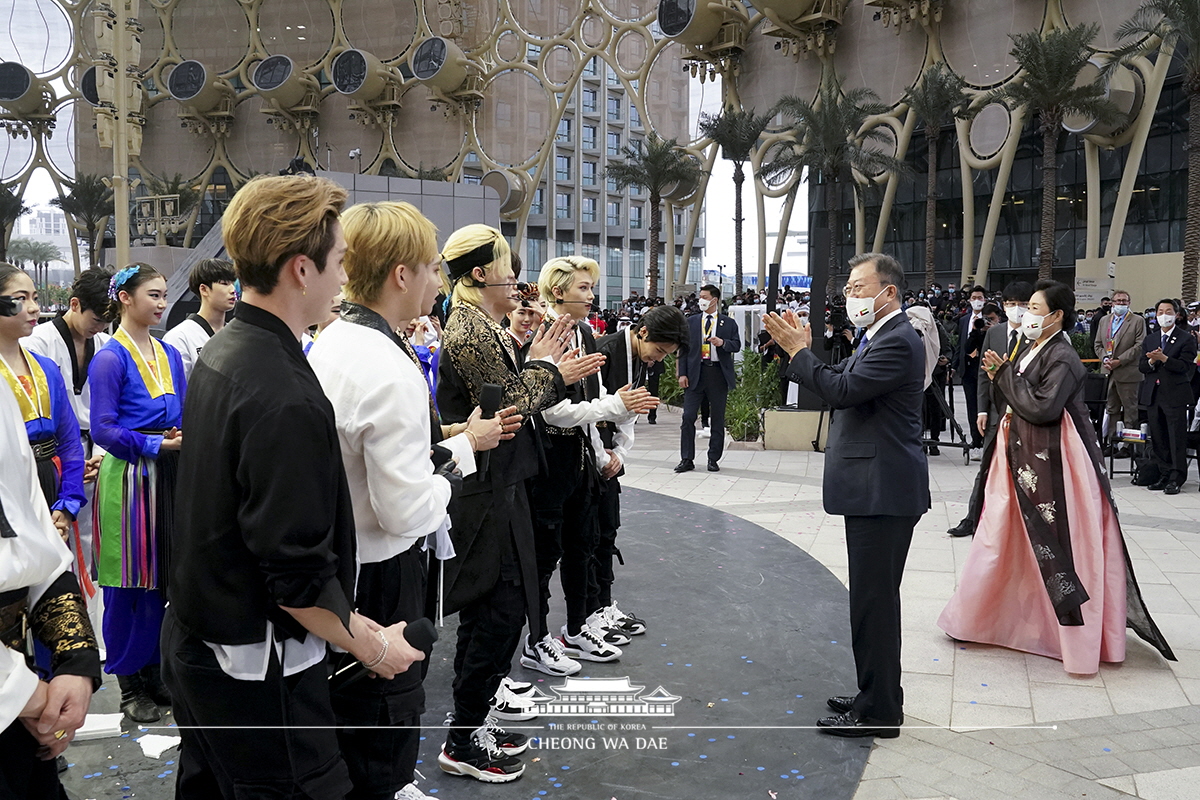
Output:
(118, 280)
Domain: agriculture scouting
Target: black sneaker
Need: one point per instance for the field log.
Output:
(512, 744)
(480, 758)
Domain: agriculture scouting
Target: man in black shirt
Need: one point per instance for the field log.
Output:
(263, 559)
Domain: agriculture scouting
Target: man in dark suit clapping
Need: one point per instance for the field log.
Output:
(876, 476)
(1169, 359)
(705, 371)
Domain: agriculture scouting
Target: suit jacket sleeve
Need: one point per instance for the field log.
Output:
(732, 343)
(1185, 362)
(983, 388)
(1135, 342)
(886, 366)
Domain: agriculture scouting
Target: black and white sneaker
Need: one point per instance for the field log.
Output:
(547, 655)
(588, 645)
(480, 758)
(519, 688)
(608, 632)
(511, 743)
(628, 622)
(508, 705)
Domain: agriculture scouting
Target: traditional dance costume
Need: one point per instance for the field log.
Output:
(134, 402)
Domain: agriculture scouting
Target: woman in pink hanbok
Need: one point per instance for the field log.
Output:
(1048, 572)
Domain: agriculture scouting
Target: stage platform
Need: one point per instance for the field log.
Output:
(748, 636)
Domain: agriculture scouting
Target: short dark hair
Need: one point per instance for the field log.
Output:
(91, 290)
(144, 273)
(209, 271)
(1020, 291)
(713, 291)
(1059, 297)
(887, 268)
(978, 288)
(991, 308)
(665, 325)
(1175, 304)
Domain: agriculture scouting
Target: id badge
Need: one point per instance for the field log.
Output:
(705, 350)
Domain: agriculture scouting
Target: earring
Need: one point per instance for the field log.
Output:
(303, 291)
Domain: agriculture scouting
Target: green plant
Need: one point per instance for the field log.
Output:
(1083, 345)
(757, 388)
(669, 391)
(88, 206)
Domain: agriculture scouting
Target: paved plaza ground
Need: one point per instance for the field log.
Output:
(1131, 730)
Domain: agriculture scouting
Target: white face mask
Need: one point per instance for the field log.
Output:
(1166, 321)
(1032, 325)
(1015, 313)
(861, 310)
(710, 306)
(1120, 311)
(976, 305)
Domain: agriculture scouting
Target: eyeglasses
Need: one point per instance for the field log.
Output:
(856, 289)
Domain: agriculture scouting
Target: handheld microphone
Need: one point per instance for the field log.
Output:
(420, 635)
(490, 397)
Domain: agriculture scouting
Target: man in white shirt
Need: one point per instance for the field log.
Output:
(212, 280)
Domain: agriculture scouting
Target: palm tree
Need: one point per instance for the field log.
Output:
(12, 207)
(737, 133)
(1046, 86)
(831, 146)
(655, 165)
(189, 195)
(89, 205)
(37, 254)
(1176, 23)
(937, 100)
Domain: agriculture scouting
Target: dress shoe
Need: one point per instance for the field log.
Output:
(964, 528)
(712, 467)
(851, 725)
(844, 703)
(934, 451)
(1158, 485)
(685, 465)
(1171, 488)
(135, 703)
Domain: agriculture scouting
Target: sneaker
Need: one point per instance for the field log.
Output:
(481, 758)
(511, 743)
(703, 433)
(547, 655)
(519, 688)
(588, 645)
(506, 705)
(629, 623)
(411, 792)
(609, 632)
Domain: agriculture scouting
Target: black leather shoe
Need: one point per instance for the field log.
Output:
(851, 725)
(712, 467)
(933, 450)
(135, 703)
(1171, 488)
(152, 682)
(964, 528)
(685, 465)
(1159, 485)
(843, 703)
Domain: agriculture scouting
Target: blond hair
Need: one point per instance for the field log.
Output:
(379, 238)
(274, 218)
(463, 241)
(560, 273)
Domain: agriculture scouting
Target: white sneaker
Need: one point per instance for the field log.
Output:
(547, 655)
(599, 622)
(506, 705)
(703, 433)
(628, 623)
(589, 645)
(411, 792)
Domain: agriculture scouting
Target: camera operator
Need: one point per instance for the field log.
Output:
(839, 333)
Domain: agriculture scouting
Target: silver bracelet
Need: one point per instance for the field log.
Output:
(382, 653)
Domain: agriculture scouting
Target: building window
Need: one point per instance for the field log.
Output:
(562, 168)
(635, 119)
(614, 143)
(532, 53)
(593, 66)
(564, 131)
(614, 266)
(589, 173)
(591, 251)
(614, 213)
(538, 204)
(614, 109)
(635, 189)
(562, 248)
(635, 216)
(589, 210)
(637, 263)
(535, 251)
(589, 137)
(610, 183)
(471, 158)
(612, 76)
(589, 101)
(472, 180)
(562, 205)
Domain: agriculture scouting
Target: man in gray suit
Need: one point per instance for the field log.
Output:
(1118, 345)
(876, 476)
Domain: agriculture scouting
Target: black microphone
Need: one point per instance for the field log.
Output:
(490, 397)
(420, 635)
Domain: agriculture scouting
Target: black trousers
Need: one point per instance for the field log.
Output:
(877, 548)
(287, 749)
(24, 776)
(710, 386)
(608, 518)
(489, 630)
(382, 755)
(1168, 440)
(564, 529)
(970, 385)
(652, 385)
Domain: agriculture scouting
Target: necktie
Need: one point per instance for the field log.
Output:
(1012, 343)
(862, 344)
(1164, 340)
(708, 325)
